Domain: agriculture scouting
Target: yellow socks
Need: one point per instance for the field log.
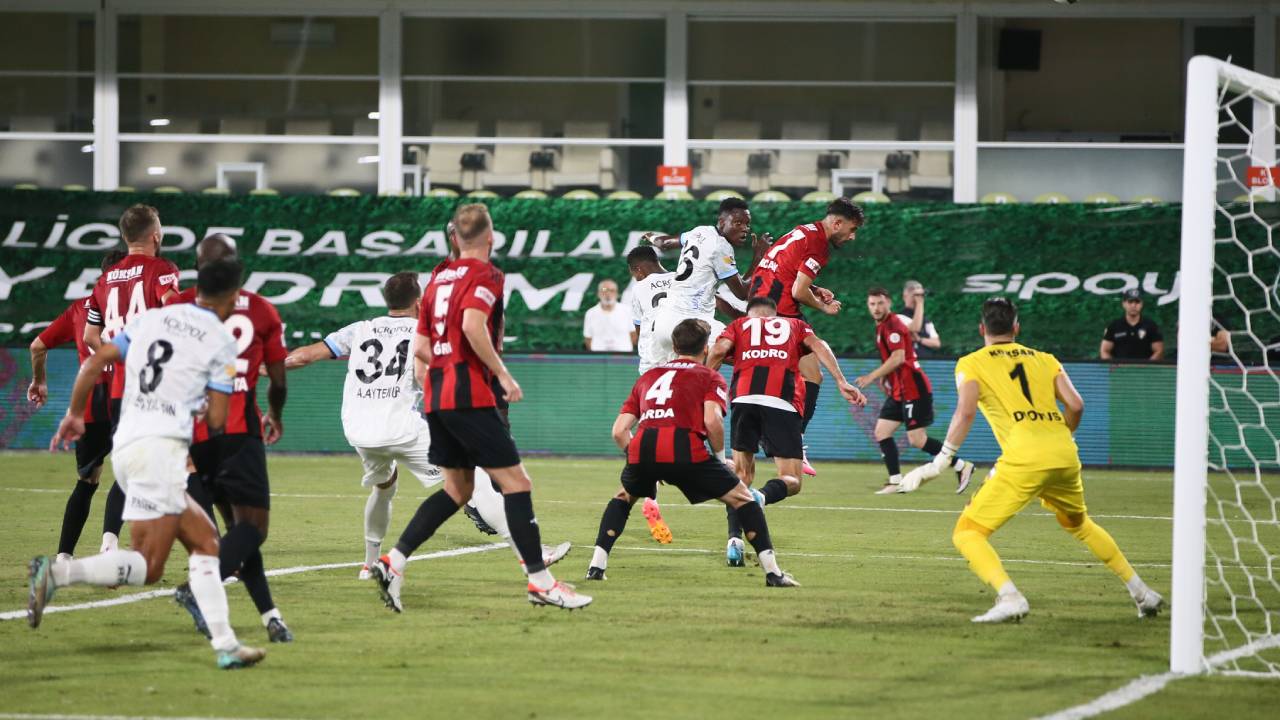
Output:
(970, 539)
(1101, 544)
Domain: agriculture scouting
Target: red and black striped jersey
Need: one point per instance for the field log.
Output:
(126, 290)
(456, 378)
(259, 334)
(668, 400)
(908, 382)
(766, 361)
(803, 250)
(69, 327)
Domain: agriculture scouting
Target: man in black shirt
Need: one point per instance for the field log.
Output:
(1132, 337)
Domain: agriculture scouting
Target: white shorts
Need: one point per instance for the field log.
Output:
(153, 473)
(381, 462)
(660, 347)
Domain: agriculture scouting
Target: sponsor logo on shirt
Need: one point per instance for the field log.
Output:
(178, 326)
(813, 264)
(486, 295)
(172, 279)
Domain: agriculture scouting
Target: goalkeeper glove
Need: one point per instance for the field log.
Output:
(942, 460)
(917, 477)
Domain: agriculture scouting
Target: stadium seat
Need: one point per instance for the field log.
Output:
(30, 160)
(482, 195)
(125, 189)
(1101, 198)
(590, 165)
(1147, 200)
(998, 198)
(344, 192)
(531, 195)
(580, 194)
(718, 195)
(728, 168)
(868, 131)
(799, 168)
(75, 187)
(771, 196)
(624, 195)
(1052, 198)
(168, 190)
(264, 192)
(33, 186)
(443, 162)
(441, 192)
(178, 159)
(215, 191)
(512, 166)
(869, 197)
(295, 166)
(932, 168)
(819, 196)
(674, 195)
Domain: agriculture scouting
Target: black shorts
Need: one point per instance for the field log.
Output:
(234, 468)
(778, 430)
(467, 439)
(93, 447)
(916, 413)
(702, 481)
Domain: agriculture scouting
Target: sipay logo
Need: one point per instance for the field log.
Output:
(1060, 283)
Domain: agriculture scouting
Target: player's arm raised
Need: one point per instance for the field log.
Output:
(896, 358)
(805, 293)
(827, 359)
(307, 354)
(72, 425)
(1072, 403)
(475, 327)
(622, 430)
(719, 352)
(660, 241)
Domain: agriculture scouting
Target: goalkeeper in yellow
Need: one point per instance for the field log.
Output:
(1018, 389)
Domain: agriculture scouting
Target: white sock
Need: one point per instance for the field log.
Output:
(1137, 588)
(398, 560)
(1007, 589)
(599, 558)
(377, 518)
(957, 463)
(116, 567)
(269, 615)
(542, 579)
(110, 541)
(205, 581)
(769, 562)
(895, 479)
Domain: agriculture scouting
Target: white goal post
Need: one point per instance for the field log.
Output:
(1226, 531)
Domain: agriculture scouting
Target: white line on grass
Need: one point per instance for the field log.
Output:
(33, 716)
(846, 556)
(1148, 685)
(139, 597)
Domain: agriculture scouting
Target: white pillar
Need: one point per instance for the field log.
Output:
(390, 104)
(965, 127)
(675, 96)
(106, 102)
(1264, 114)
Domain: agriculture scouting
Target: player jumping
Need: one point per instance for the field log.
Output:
(460, 317)
(769, 397)
(680, 406)
(176, 359)
(909, 395)
(1018, 389)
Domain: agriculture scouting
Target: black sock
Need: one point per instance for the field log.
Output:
(523, 527)
(735, 528)
(430, 516)
(612, 523)
(757, 528)
(241, 541)
(199, 491)
(254, 577)
(113, 521)
(75, 515)
(889, 451)
(932, 446)
(810, 402)
(775, 491)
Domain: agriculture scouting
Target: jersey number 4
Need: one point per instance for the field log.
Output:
(395, 363)
(660, 392)
(113, 322)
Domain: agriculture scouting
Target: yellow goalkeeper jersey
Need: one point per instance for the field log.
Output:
(1016, 394)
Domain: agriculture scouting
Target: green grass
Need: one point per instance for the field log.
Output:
(880, 629)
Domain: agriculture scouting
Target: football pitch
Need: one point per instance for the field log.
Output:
(880, 628)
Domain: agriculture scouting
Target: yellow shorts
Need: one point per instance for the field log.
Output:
(1006, 492)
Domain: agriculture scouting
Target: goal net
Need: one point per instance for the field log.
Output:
(1226, 544)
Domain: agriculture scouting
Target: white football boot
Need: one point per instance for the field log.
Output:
(1008, 607)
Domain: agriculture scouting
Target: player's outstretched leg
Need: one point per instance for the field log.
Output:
(756, 530)
(1104, 547)
(377, 520)
(970, 539)
(658, 528)
(109, 569)
(612, 523)
(964, 469)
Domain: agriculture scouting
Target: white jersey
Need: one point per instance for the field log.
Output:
(706, 258)
(647, 296)
(172, 354)
(379, 402)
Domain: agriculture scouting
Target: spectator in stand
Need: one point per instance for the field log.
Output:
(1132, 337)
(923, 332)
(608, 326)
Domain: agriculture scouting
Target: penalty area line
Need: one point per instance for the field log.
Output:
(150, 594)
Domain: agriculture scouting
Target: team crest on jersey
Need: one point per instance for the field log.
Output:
(894, 337)
(1142, 334)
(242, 302)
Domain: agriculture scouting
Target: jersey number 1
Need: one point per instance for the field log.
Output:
(1019, 373)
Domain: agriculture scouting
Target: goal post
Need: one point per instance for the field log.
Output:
(1225, 592)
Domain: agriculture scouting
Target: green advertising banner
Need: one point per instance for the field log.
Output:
(321, 259)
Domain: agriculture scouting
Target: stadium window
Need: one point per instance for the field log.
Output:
(46, 99)
(590, 89)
